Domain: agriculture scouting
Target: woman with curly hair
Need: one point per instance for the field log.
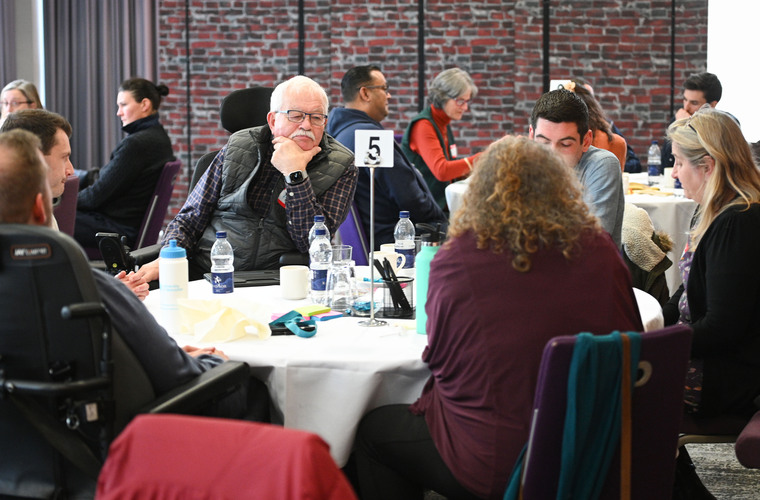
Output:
(525, 261)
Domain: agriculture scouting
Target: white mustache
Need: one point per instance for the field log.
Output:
(307, 133)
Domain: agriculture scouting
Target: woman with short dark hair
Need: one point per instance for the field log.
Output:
(115, 198)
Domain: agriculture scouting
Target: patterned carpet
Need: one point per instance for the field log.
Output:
(722, 474)
(719, 470)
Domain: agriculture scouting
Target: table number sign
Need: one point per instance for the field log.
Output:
(373, 148)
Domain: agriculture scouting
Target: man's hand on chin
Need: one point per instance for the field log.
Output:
(289, 156)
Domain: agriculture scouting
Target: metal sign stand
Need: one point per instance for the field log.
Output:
(372, 321)
(377, 149)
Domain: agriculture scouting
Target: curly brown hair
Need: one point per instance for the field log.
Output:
(522, 197)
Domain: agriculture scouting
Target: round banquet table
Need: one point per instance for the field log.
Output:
(325, 384)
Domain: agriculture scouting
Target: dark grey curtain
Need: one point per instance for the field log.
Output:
(8, 39)
(91, 46)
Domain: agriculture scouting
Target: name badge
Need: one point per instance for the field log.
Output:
(453, 150)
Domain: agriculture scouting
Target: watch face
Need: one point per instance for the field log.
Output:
(295, 177)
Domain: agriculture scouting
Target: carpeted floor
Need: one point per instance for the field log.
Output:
(722, 474)
(719, 470)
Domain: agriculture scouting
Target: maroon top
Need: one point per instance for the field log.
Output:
(487, 328)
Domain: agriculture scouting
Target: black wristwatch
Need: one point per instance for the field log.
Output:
(296, 177)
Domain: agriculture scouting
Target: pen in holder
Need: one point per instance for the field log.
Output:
(398, 292)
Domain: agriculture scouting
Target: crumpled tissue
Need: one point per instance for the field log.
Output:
(224, 320)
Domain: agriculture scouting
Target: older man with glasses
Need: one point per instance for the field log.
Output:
(266, 185)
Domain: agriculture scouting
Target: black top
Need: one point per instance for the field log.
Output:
(126, 183)
(723, 291)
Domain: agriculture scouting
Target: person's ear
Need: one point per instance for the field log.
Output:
(709, 163)
(587, 139)
(531, 133)
(146, 106)
(270, 120)
(39, 214)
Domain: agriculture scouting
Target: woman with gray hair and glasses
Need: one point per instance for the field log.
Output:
(19, 94)
(429, 142)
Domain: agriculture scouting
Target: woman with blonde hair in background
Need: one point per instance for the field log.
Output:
(720, 297)
(19, 94)
(525, 261)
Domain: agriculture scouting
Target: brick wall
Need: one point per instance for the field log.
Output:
(623, 47)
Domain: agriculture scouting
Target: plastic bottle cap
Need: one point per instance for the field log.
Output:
(221, 234)
(319, 218)
(404, 214)
(173, 251)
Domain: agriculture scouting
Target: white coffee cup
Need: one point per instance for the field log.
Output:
(397, 260)
(667, 178)
(294, 282)
(388, 247)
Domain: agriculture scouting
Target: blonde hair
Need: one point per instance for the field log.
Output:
(735, 180)
(523, 198)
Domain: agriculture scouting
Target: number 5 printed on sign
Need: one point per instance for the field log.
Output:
(373, 148)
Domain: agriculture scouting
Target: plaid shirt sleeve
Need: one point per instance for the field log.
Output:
(188, 225)
(301, 205)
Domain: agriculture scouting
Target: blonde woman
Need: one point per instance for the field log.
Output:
(525, 261)
(720, 267)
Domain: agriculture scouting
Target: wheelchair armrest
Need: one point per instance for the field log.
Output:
(210, 385)
(294, 259)
(146, 254)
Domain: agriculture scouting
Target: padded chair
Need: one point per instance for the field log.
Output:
(66, 211)
(352, 233)
(68, 382)
(177, 457)
(153, 220)
(748, 444)
(657, 402)
(159, 204)
(240, 109)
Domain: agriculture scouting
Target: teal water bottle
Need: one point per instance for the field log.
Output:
(429, 245)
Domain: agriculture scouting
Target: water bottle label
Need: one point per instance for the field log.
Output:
(319, 280)
(222, 282)
(654, 170)
(677, 184)
(409, 255)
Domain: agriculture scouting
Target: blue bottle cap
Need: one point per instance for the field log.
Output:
(319, 218)
(404, 214)
(173, 251)
(221, 234)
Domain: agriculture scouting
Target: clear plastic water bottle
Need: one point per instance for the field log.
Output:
(654, 162)
(319, 222)
(222, 269)
(403, 236)
(320, 257)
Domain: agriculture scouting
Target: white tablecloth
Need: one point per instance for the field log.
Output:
(327, 383)
(454, 193)
(671, 214)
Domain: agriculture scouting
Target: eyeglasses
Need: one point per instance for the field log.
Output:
(384, 88)
(295, 116)
(14, 104)
(462, 102)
